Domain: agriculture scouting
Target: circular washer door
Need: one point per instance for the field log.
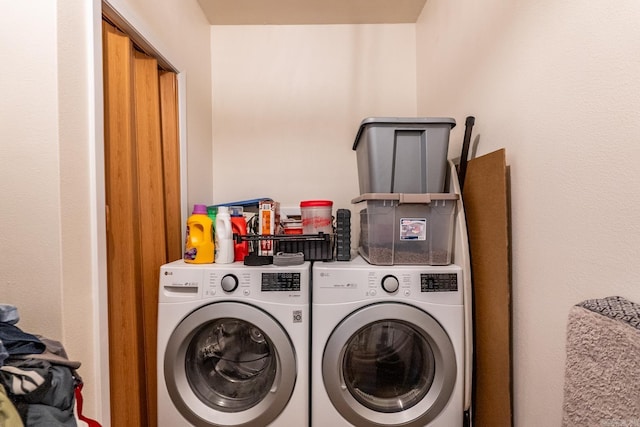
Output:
(230, 364)
(389, 364)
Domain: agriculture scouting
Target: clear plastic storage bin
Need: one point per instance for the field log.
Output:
(397, 229)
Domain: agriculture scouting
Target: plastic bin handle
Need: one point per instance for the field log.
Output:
(424, 198)
(406, 198)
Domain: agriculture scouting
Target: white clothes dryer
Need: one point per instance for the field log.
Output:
(388, 345)
(233, 345)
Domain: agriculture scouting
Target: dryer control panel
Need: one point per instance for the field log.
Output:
(439, 282)
(358, 280)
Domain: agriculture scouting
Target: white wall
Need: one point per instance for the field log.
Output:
(30, 174)
(555, 83)
(288, 100)
(52, 239)
(46, 245)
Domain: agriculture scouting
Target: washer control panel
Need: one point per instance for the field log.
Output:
(280, 282)
(268, 284)
(180, 281)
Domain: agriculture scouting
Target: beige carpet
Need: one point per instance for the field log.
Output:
(602, 371)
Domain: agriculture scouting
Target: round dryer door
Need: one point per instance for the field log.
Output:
(230, 364)
(389, 364)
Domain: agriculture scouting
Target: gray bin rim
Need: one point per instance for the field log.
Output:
(406, 198)
(402, 121)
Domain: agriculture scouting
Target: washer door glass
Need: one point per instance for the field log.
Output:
(388, 366)
(230, 364)
(222, 369)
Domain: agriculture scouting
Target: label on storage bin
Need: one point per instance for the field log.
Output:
(413, 229)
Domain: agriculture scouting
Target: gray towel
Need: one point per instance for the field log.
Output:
(9, 314)
(602, 371)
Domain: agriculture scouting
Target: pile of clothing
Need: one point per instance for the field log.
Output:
(37, 380)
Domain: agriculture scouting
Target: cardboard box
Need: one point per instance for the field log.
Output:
(486, 200)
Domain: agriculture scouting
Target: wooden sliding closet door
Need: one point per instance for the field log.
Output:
(126, 355)
(139, 221)
(171, 163)
(151, 208)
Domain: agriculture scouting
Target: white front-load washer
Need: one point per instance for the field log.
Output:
(233, 345)
(387, 345)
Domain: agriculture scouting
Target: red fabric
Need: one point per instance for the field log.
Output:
(79, 402)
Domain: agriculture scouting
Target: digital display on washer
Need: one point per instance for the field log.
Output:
(442, 282)
(280, 282)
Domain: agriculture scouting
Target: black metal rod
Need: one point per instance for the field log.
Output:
(462, 169)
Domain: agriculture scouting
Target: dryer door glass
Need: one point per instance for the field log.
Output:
(388, 366)
(230, 364)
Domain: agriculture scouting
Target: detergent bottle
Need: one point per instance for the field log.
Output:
(239, 227)
(199, 245)
(224, 236)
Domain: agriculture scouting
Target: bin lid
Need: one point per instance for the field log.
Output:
(402, 120)
(406, 197)
(316, 203)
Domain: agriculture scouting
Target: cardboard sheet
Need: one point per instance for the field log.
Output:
(486, 202)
